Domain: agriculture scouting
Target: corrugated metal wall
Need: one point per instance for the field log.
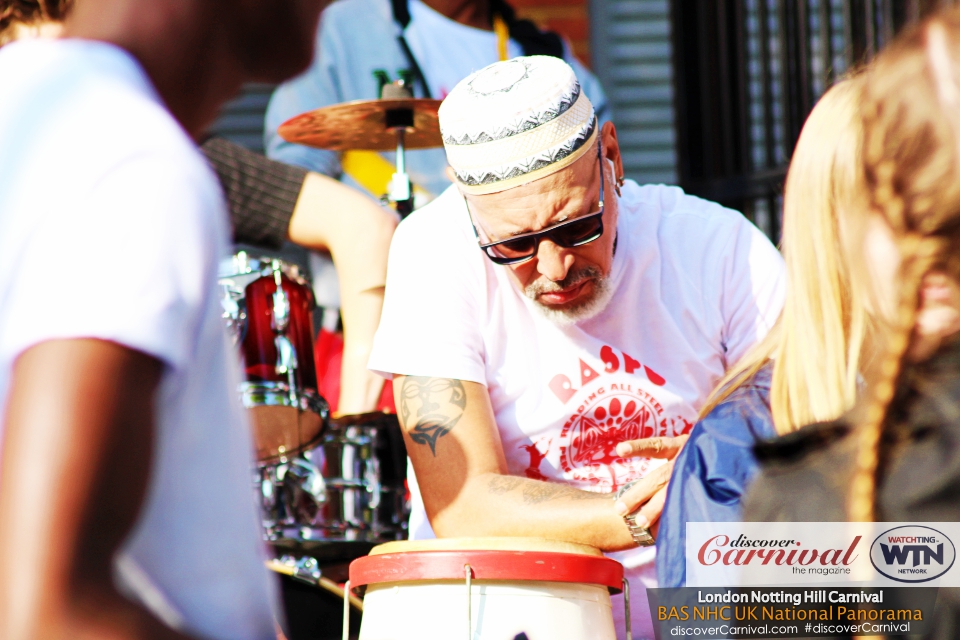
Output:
(630, 50)
(241, 119)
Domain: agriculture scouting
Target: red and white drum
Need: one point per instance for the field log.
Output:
(267, 307)
(487, 588)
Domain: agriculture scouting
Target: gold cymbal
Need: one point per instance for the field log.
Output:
(362, 125)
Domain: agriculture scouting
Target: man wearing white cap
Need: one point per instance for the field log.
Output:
(596, 311)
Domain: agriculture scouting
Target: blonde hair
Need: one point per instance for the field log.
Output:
(911, 166)
(816, 343)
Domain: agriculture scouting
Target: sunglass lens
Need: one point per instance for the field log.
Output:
(578, 232)
(515, 249)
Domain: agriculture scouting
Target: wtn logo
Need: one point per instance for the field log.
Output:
(896, 554)
(905, 553)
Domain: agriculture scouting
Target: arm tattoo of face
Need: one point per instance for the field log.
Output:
(537, 491)
(433, 406)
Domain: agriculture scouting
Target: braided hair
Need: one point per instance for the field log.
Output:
(911, 165)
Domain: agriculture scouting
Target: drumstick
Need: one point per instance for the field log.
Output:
(325, 583)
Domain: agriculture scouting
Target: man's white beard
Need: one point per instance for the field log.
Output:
(582, 310)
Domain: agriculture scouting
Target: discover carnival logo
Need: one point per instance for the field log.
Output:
(912, 553)
(744, 551)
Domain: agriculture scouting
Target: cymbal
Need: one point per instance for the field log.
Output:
(362, 125)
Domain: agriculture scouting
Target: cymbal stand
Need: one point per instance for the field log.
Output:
(400, 189)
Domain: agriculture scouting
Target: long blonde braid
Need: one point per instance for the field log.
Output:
(912, 172)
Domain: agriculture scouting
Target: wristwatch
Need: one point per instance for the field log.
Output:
(641, 535)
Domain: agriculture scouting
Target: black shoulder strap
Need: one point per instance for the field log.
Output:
(401, 15)
(532, 41)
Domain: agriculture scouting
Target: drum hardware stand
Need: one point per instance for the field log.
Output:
(305, 569)
(286, 354)
(400, 189)
(372, 476)
(469, 574)
(626, 608)
(346, 611)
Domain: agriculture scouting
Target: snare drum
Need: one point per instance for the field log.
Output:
(267, 308)
(348, 487)
(487, 588)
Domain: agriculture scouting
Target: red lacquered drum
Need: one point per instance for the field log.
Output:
(267, 307)
(480, 588)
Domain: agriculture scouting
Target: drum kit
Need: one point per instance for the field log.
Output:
(333, 489)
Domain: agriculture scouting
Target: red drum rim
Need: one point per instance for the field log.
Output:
(524, 566)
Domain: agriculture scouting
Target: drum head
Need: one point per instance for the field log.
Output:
(486, 544)
(279, 431)
(282, 426)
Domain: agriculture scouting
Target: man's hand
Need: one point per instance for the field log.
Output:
(650, 493)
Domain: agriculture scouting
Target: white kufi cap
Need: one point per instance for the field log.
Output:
(514, 122)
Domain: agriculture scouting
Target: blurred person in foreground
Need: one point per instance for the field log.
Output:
(125, 509)
(272, 202)
(896, 457)
(807, 368)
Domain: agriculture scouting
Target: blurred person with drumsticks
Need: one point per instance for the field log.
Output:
(124, 479)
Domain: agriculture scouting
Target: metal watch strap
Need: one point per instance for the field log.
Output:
(641, 535)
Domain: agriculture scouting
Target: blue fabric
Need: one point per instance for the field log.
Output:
(713, 471)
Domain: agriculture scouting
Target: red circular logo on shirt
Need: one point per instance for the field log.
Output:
(588, 442)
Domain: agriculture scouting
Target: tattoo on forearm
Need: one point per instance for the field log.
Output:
(537, 491)
(433, 406)
(500, 485)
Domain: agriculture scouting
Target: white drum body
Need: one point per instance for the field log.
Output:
(436, 610)
(545, 589)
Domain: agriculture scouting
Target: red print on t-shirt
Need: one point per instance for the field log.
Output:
(605, 414)
(536, 457)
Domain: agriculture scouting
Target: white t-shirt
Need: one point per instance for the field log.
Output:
(89, 158)
(694, 287)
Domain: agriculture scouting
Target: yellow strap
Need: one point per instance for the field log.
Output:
(370, 170)
(503, 36)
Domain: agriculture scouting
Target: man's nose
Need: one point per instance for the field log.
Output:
(553, 261)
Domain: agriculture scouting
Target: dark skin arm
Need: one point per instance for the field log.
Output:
(76, 457)
(453, 442)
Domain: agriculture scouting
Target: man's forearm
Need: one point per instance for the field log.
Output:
(455, 447)
(491, 504)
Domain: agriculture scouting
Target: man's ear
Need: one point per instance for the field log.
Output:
(611, 148)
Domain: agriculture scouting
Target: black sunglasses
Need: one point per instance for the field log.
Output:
(566, 234)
